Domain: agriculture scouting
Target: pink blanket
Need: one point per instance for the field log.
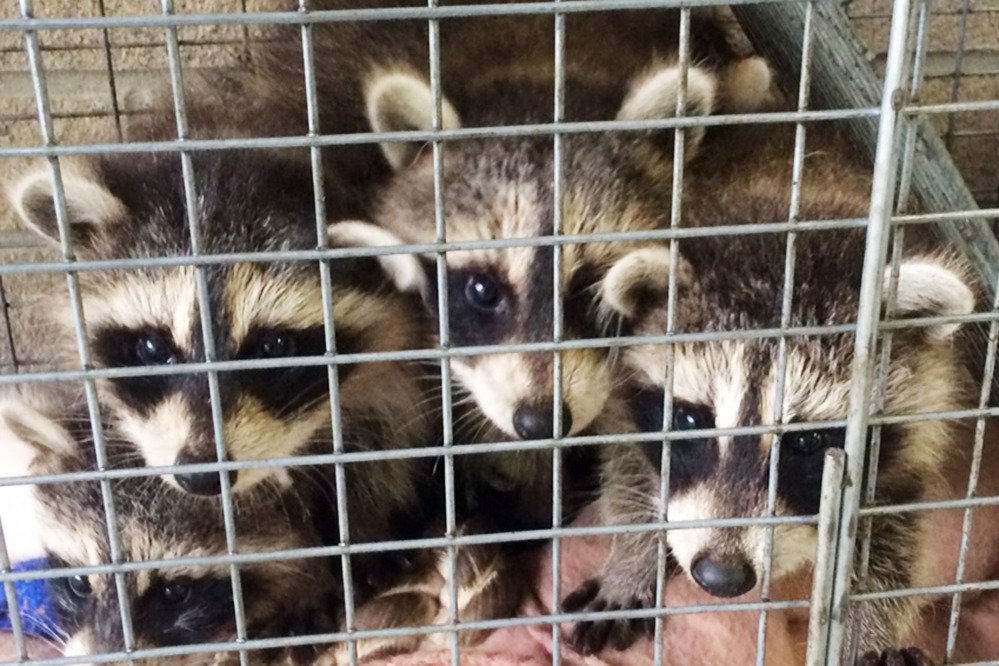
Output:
(717, 638)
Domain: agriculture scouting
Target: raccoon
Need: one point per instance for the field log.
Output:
(502, 188)
(134, 206)
(736, 283)
(496, 188)
(169, 606)
(191, 604)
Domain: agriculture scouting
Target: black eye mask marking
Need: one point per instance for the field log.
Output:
(799, 471)
(118, 347)
(286, 391)
(180, 611)
(71, 597)
(481, 307)
(483, 293)
(691, 460)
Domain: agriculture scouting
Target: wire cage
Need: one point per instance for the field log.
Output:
(915, 83)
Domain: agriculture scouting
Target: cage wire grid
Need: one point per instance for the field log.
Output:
(842, 504)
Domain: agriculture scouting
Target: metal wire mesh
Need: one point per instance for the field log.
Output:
(948, 55)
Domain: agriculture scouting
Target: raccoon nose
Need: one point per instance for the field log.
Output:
(534, 421)
(723, 577)
(201, 483)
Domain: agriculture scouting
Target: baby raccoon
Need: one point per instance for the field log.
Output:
(502, 188)
(736, 283)
(194, 604)
(169, 605)
(133, 206)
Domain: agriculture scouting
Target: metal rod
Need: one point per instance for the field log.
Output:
(830, 503)
(840, 648)
(558, 115)
(205, 318)
(468, 133)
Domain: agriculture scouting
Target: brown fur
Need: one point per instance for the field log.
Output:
(743, 177)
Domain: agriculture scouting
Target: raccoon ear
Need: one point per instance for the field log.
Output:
(23, 427)
(89, 206)
(929, 287)
(639, 281)
(401, 102)
(654, 95)
(17, 503)
(405, 270)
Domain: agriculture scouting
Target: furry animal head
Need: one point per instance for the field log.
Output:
(135, 206)
(736, 284)
(502, 188)
(168, 605)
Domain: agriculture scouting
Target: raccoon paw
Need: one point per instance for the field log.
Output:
(303, 622)
(591, 636)
(910, 656)
(377, 573)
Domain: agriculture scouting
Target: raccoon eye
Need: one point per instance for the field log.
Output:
(176, 592)
(275, 345)
(482, 292)
(153, 349)
(808, 442)
(691, 417)
(79, 586)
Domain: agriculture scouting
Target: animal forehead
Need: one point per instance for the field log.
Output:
(247, 295)
(146, 539)
(738, 379)
(147, 579)
(275, 297)
(514, 208)
(749, 293)
(152, 298)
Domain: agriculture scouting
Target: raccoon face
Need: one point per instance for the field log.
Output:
(503, 189)
(729, 384)
(170, 606)
(134, 206)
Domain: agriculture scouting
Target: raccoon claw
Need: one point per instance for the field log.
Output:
(592, 636)
(910, 656)
(581, 596)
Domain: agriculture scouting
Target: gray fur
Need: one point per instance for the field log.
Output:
(743, 176)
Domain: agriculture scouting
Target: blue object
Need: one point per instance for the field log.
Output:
(38, 617)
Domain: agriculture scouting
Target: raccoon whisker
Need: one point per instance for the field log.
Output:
(462, 400)
(636, 502)
(59, 642)
(321, 480)
(430, 398)
(483, 426)
(434, 375)
(304, 390)
(641, 507)
(419, 415)
(469, 422)
(127, 459)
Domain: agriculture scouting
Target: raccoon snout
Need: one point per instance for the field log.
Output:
(723, 576)
(534, 421)
(201, 483)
